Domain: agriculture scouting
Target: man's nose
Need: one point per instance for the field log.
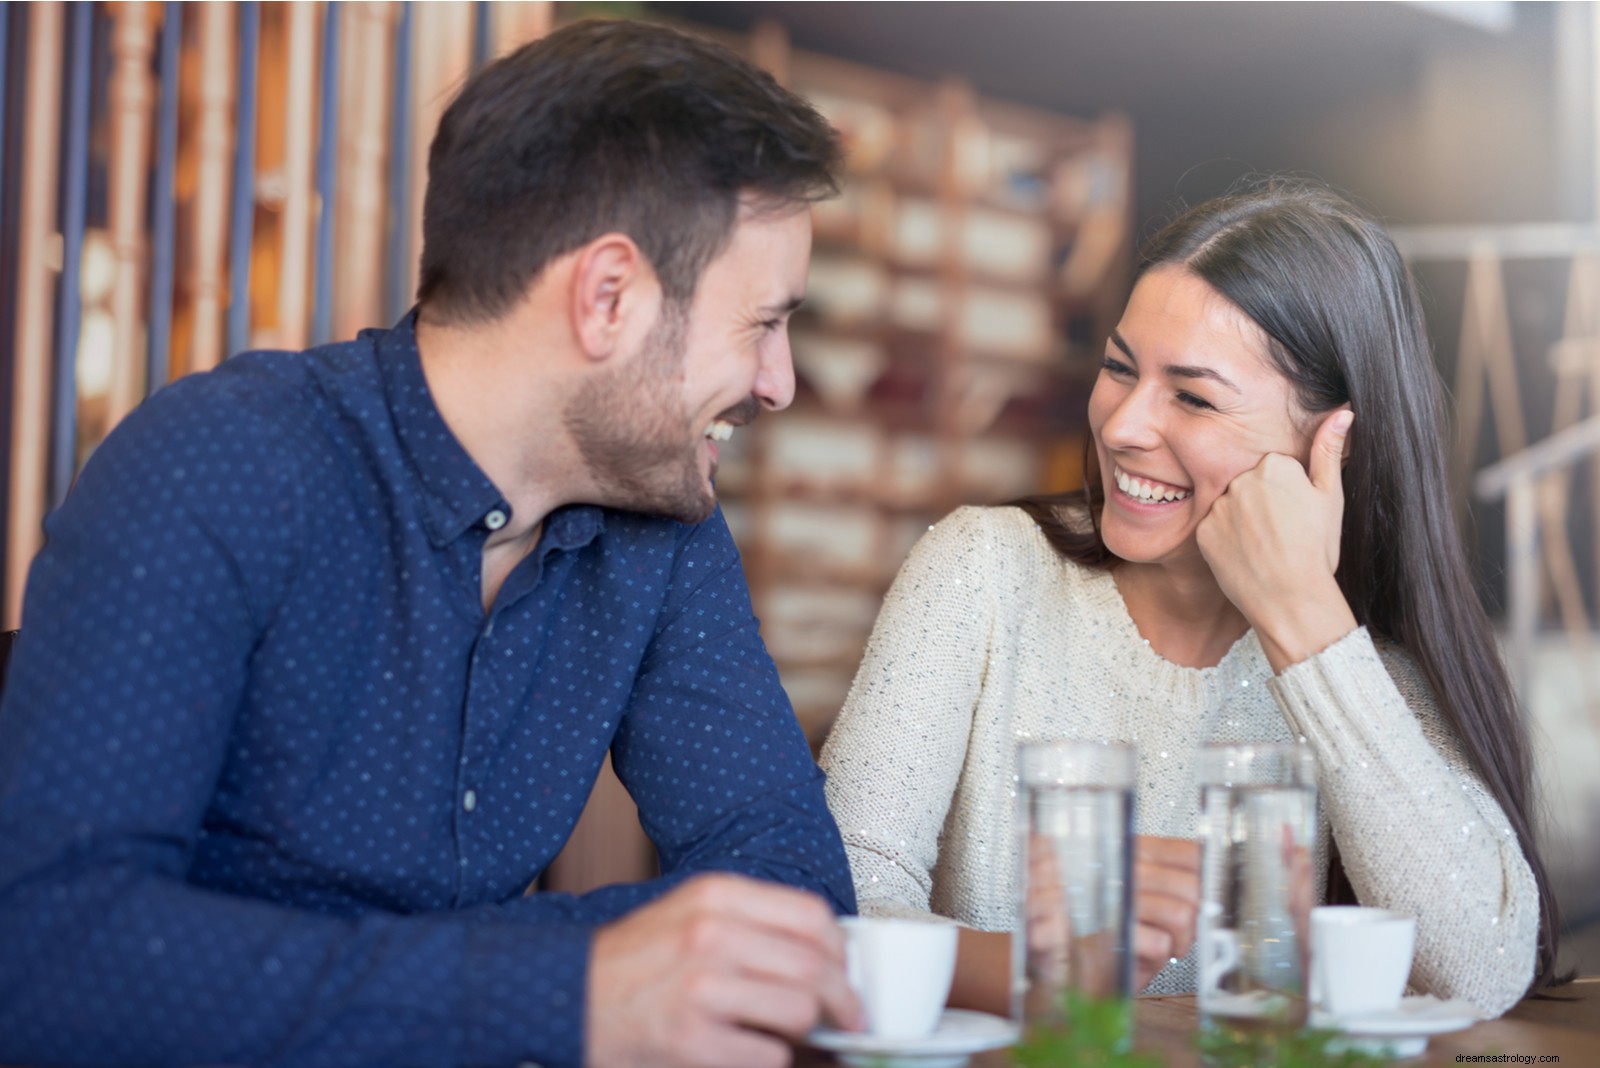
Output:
(774, 383)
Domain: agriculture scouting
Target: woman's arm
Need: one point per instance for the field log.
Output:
(897, 750)
(1417, 831)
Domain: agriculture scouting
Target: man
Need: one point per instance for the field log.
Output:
(325, 649)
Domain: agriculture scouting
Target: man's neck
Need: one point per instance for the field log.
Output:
(503, 403)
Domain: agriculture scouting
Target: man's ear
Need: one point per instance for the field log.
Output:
(614, 293)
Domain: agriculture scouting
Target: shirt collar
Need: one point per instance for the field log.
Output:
(457, 495)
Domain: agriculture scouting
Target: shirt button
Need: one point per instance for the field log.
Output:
(495, 519)
(469, 800)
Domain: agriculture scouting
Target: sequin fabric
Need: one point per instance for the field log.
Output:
(989, 638)
(272, 782)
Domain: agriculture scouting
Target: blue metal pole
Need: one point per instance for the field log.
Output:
(327, 183)
(163, 202)
(244, 181)
(74, 206)
(399, 258)
(480, 34)
(5, 50)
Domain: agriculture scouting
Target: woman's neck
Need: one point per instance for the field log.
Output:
(1181, 612)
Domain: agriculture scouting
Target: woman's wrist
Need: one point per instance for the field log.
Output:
(1304, 626)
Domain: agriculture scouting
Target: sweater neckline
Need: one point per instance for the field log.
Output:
(1243, 652)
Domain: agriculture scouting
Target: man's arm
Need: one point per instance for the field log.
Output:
(141, 618)
(710, 748)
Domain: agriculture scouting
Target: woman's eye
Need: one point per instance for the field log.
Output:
(1192, 401)
(1116, 367)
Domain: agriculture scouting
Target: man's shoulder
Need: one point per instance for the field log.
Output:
(280, 400)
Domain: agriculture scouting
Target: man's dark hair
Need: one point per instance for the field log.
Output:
(608, 126)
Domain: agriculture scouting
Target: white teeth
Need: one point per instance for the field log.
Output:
(1147, 491)
(719, 431)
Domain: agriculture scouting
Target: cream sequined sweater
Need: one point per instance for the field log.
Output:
(989, 637)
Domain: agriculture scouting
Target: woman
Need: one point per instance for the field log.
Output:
(1266, 550)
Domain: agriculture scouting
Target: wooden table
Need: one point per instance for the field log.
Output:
(1569, 1030)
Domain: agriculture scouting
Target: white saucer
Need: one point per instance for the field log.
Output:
(1403, 1030)
(960, 1034)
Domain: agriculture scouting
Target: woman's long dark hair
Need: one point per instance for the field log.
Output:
(1329, 289)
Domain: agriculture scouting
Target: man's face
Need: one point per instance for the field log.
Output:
(648, 429)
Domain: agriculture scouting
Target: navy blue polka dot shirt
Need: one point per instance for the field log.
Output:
(272, 783)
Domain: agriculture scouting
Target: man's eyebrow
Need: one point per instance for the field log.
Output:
(1179, 370)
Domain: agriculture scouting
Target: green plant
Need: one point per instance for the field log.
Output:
(1095, 1034)
(1306, 1048)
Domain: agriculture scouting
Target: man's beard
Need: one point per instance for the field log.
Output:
(633, 432)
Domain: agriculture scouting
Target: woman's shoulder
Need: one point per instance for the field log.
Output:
(1005, 542)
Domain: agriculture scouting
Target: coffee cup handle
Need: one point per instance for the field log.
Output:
(1219, 955)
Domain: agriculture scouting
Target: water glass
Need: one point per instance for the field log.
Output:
(1257, 820)
(1076, 828)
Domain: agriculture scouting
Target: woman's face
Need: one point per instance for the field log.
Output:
(1187, 400)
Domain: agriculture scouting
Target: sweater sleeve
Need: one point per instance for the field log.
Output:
(896, 752)
(1417, 830)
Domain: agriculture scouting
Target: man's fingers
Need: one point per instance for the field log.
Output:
(1327, 451)
(748, 1002)
(729, 1046)
(796, 964)
(795, 913)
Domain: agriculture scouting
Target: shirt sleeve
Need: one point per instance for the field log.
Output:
(897, 750)
(109, 757)
(1417, 830)
(710, 749)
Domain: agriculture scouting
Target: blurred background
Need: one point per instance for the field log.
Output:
(182, 182)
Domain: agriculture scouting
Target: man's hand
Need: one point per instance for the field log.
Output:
(719, 972)
(1166, 883)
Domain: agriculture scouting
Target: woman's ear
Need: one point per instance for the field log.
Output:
(613, 289)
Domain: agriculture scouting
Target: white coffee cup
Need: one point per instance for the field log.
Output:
(1360, 958)
(901, 969)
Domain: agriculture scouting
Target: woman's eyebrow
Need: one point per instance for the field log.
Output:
(1180, 370)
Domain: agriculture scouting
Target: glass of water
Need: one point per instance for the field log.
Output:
(1076, 826)
(1257, 821)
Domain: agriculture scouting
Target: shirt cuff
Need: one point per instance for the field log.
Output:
(525, 994)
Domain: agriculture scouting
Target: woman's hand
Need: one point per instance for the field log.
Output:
(1166, 885)
(1272, 541)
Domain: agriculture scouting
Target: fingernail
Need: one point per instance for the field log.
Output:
(1342, 421)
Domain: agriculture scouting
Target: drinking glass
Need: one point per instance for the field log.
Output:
(1076, 828)
(1257, 818)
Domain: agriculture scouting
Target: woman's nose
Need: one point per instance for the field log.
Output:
(1132, 423)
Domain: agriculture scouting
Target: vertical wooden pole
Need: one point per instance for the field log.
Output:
(132, 102)
(30, 427)
(514, 25)
(1522, 579)
(363, 171)
(300, 130)
(215, 140)
(440, 70)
